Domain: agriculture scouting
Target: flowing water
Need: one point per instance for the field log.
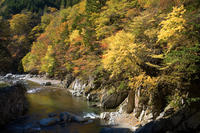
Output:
(44, 101)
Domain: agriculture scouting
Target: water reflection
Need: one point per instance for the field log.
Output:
(53, 100)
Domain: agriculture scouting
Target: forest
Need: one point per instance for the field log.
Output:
(11, 7)
(125, 44)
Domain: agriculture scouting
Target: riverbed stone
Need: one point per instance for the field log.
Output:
(47, 84)
(9, 76)
(65, 117)
(78, 119)
(69, 117)
(52, 115)
(115, 130)
(48, 121)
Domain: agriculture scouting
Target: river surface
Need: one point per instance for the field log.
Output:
(44, 101)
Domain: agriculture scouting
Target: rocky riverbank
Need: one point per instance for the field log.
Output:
(128, 107)
(132, 109)
(13, 103)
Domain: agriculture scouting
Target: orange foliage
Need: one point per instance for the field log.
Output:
(104, 45)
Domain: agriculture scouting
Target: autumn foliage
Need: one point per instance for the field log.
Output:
(133, 41)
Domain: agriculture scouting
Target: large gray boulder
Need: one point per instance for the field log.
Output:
(114, 100)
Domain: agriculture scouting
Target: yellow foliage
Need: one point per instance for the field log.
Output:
(122, 53)
(144, 81)
(111, 17)
(48, 62)
(29, 62)
(82, 5)
(144, 25)
(148, 3)
(74, 35)
(172, 27)
(151, 33)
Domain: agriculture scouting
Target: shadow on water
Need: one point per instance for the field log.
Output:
(45, 101)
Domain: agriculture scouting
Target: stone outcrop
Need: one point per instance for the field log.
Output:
(131, 102)
(67, 81)
(13, 103)
(114, 100)
(80, 87)
(186, 120)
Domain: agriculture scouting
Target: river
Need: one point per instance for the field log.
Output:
(47, 100)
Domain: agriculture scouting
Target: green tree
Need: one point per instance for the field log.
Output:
(20, 23)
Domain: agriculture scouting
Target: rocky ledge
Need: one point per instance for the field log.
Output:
(13, 103)
(186, 120)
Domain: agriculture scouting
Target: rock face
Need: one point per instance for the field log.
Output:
(77, 87)
(81, 87)
(186, 120)
(105, 115)
(67, 81)
(114, 100)
(13, 103)
(131, 102)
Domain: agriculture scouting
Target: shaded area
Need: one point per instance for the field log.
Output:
(51, 101)
(13, 103)
(186, 120)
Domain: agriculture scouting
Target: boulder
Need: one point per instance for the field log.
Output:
(81, 87)
(105, 115)
(30, 128)
(69, 117)
(52, 115)
(115, 130)
(78, 119)
(9, 76)
(138, 104)
(47, 84)
(123, 106)
(131, 102)
(169, 110)
(77, 87)
(67, 81)
(48, 121)
(13, 103)
(114, 100)
(186, 120)
(93, 97)
(65, 117)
